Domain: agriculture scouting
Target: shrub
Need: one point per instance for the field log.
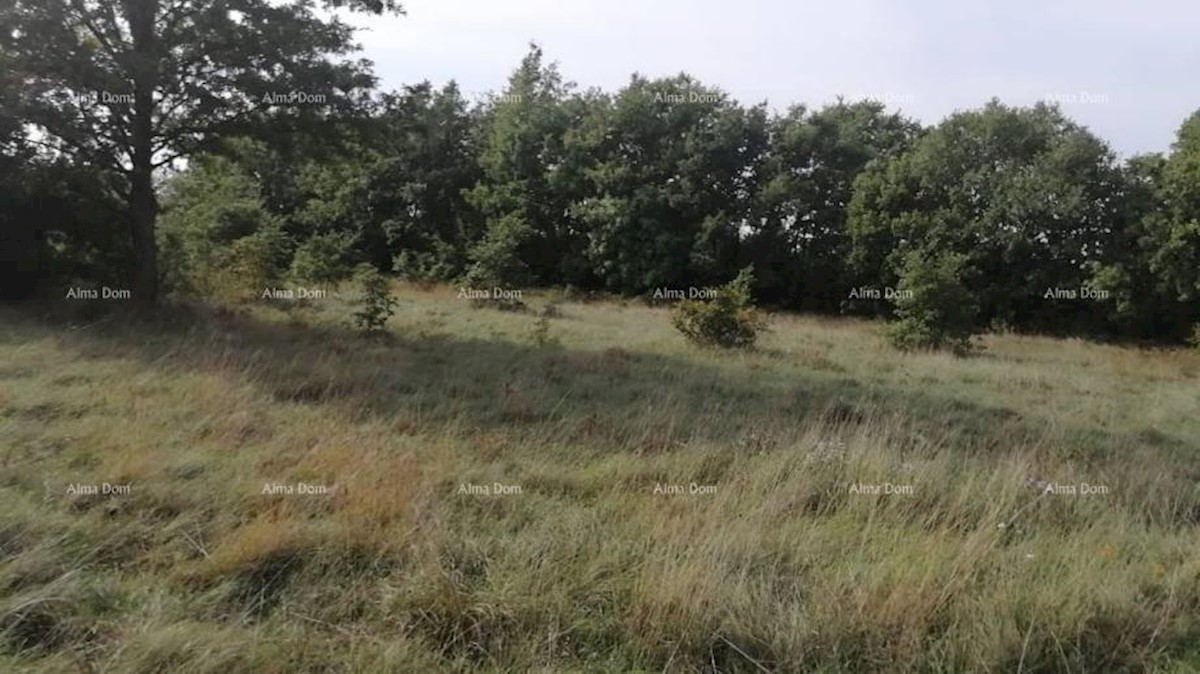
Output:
(727, 321)
(218, 238)
(238, 270)
(433, 262)
(540, 333)
(322, 258)
(498, 269)
(934, 309)
(257, 259)
(497, 257)
(376, 305)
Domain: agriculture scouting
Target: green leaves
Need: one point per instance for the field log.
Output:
(665, 182)
(1175, 232)
(727, 321)
(522, 152)
(670, 176)
(217, 237)
(376, 304)
(497, 258)
(934, 307)
(131, 86)
(798, 238)
(1022, 194)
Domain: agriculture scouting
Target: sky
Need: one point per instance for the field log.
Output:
(1127, 69)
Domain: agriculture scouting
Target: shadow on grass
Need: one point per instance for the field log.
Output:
(607, 400)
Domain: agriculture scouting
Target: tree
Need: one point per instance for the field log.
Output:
(133, 85)
(57, 222)
(393, 187)
(376, 304)
(497, 259)
(1174, 232)
(416, 191)
(934, 308)
(322, 259)
(727, 321)
(1157, 279)
(1030, 199)
(521, 151)
(798, 237)
(672, 172)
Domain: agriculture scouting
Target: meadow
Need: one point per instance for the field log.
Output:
(575, 488)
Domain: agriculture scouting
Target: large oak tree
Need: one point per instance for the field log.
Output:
(1029, 198)
(134, 85)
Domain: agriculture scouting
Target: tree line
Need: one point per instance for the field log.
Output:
(997, 217)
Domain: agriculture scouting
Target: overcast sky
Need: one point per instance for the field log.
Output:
(1128, 69)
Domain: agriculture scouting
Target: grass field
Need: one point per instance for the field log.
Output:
(776, 556)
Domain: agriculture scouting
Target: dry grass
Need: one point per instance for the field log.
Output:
(780, 568)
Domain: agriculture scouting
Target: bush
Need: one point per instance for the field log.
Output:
(540, 333)
(497, 257)
(322, 258)
(218, 239)
(256, 259)
(443, 262)
(376, 305)
(934, 309)
(239, 270)
(728, 321)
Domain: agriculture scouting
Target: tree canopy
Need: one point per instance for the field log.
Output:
(130, 86)
(1013, 217)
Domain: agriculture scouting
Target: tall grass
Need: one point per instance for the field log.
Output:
(781, 566)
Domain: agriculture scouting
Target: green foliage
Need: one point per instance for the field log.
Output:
(58, 224)
(670, 167)
(217, 237)
(418, 190)
(329, 199)
(521, 194)
(376, 304)
(248, 265)
(665, 182)
(1174, 230)
(934, 308)
(497, 258)
(1156, 282)
(727, 321)
(798, 240)
(442, 263)
(540, 332)
(159, 68)
(1024, 195)
(322, 259)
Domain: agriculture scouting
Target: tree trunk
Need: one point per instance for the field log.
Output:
(143, 213)
(143, 203)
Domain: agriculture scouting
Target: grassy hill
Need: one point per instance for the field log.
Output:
(665, 508)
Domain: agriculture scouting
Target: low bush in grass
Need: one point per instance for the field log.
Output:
(934, 308)
(728, 321)
(322, 259)
(376, 304)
